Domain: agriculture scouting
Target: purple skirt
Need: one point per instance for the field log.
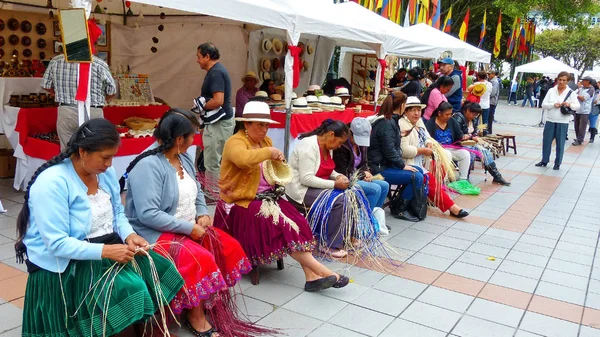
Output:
(264, 241)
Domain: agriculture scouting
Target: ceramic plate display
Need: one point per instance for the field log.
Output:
(1, 53)
(42, 55)
(2, 25)
(2, 41)
(40, 28)
(13, 39)
(13, 24)
(27, 52)
(26, 41)
(26, 26)
(41, 43)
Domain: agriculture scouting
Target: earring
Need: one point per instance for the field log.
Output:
(83, 162)
(178, 153)
(246, 132)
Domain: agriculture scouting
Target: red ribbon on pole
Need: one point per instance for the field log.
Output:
(83, 81)
(383, 66)
(295, 52)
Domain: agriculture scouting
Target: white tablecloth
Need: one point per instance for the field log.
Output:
(14, 86)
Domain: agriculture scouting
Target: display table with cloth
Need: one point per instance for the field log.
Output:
(8, 115)
(300, 123)
(34, 152)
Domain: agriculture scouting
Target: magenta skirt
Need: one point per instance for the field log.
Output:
(264, 241)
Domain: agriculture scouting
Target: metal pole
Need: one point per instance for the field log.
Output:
(286, 140)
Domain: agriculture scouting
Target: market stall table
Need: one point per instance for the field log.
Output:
(8, 115)
(36, 152)
(301, 123)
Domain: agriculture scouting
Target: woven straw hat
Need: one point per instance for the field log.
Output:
(277, 173)
(266, 45)
(478, 89)
(277, 46)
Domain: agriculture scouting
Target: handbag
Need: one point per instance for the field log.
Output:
(563, 109)
(418, 205)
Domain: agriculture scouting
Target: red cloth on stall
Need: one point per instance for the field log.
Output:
(295, 52)
(301, 123)
(43, 120)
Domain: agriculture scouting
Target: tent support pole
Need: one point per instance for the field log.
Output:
(286, 138)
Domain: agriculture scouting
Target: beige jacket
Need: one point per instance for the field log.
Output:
(410, 143)
(305, 161)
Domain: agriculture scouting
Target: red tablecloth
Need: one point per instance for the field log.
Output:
(43, 120)
(301, 123)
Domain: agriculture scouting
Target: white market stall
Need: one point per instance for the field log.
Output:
(548, 66)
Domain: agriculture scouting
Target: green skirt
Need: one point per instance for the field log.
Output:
(94, 307)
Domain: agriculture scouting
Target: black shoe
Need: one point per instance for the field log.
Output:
(556, 167)
(341, 282)
(389, 228)
(576, 143)
(320, 284)
(498, 179)
(407, 216)
(541, 164)
(461, 214)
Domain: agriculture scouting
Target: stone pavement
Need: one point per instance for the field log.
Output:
(522, 264)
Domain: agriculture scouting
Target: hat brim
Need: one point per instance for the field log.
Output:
(422, 106)
(362, 141)
(343, 95)
(259, 120)
(250, 76)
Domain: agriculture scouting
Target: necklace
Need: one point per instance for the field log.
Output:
(180, 173)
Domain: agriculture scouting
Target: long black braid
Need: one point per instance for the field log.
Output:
(92, 136)
(174, 123)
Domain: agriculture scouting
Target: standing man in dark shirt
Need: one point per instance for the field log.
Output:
(528, 92)
(398, 79)
(413, 87)
(214, 107)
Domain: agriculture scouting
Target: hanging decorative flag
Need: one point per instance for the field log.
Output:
(464, 27)
(437, 13)
(510, 44)
(482, 34)
(516, 40)
(498, 36)
(395, 10)
(385, 9)
(448, 22)
(424, 11)
(412, 11)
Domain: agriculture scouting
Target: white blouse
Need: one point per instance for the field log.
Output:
(188, 191)
(102, 214)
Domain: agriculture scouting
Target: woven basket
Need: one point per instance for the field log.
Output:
(139, 123)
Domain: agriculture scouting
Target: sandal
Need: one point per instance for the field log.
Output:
(208, 333)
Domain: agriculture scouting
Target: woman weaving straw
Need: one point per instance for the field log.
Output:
(252, 209)
(90, 274)
(165, 204)
(419, 149)
(339, 213)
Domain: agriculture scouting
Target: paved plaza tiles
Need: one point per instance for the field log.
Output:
(523, 264)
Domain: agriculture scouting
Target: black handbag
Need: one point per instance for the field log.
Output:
(418, 204)
(563, 109)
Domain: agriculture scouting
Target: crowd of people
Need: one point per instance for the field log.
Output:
(98, 267)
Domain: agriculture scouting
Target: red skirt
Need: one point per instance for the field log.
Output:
(264, 241)
(197, 264)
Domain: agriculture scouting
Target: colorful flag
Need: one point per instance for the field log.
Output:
(385, 8)
(436, 19)
(464, 27)
(498, 36)
(510, 44)
(448, 22)
(482, 34)
(424, 11)
(516, 40)
(395, 11)
(412, 11)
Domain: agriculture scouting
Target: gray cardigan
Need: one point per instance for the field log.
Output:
(152, 197)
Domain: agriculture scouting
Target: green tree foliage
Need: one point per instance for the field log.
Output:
(579, 48)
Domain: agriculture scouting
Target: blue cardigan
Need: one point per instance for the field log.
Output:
(60, 217)
(152, 197)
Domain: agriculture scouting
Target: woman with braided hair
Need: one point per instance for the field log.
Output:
(85, 278)
(165, 204)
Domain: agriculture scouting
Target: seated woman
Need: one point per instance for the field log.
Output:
(417, 150)
(165, 204)
(79, 240)
(446, 131)
(268, 86)
(436, 94)
(251, 208)
(385, 154)
(328, 194)
(351, 159)
(468, 121)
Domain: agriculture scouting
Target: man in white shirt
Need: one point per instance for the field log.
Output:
(495, 94)
(585, 95)
(485, 98)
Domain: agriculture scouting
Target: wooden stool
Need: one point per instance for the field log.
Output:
(508, 138)
(255, 277)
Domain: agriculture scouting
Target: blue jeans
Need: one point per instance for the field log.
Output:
(512, 97)
(396, 176)
(593, 120)
(485, 114)
(376, 191)
(527, 98)
(558, 132)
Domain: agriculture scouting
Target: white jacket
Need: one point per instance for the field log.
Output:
(553, 114)
(305, 161)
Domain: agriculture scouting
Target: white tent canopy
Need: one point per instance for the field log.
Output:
(434, 42)
(547, 66)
